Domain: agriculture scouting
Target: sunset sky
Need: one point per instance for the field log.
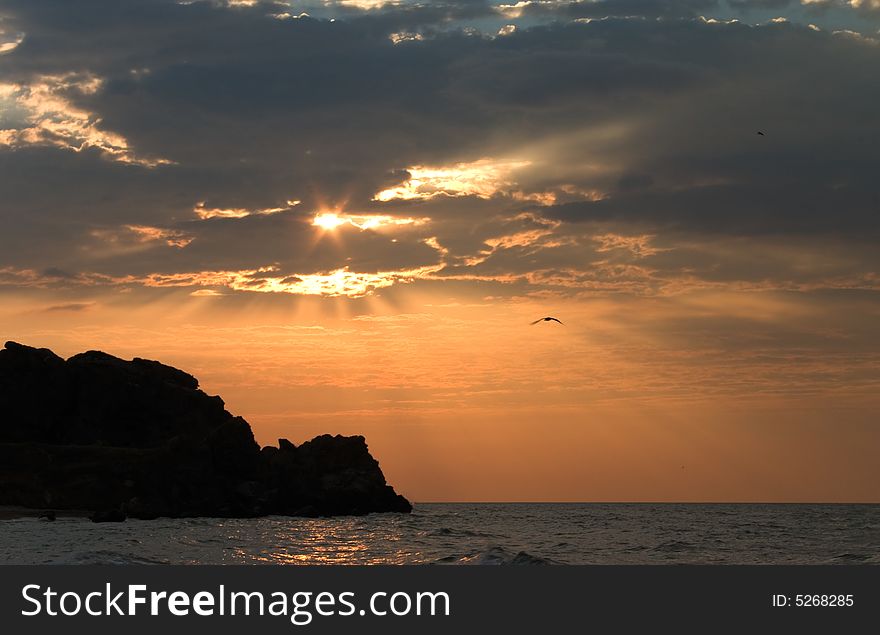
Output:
(342, 216)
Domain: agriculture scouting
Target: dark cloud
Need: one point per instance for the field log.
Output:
(618, 8)
(745, 5)
(739, 209)
(628, 122)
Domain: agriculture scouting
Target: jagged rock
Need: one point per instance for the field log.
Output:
(97, 432)
(331, 475)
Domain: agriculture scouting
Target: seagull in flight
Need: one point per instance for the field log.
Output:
(547, 319)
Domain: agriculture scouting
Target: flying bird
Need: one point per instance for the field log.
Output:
(761, 133)
(547, 319)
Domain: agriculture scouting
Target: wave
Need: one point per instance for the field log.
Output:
(853, 558)
(496, 556)
(459, 535)
(448, 531)
(102, 557)
(674, 546)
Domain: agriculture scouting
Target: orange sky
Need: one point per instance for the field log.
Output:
(464, 400)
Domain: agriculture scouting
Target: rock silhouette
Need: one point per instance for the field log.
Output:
(139, 439)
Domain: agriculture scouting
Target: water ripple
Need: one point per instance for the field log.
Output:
(472, 534)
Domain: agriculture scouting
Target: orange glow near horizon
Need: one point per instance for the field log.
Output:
(464, 400)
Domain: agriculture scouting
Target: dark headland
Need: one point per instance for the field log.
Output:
(139, 439)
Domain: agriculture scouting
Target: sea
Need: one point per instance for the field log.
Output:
(471, 534)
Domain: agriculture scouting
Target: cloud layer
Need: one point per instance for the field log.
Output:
(548, 147)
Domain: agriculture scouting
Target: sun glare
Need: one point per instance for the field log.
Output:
(328, 221)
(331, 220)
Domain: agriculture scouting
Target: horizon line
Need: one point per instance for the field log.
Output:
(646, 502)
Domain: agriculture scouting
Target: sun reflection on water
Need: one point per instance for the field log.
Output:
(372, 540)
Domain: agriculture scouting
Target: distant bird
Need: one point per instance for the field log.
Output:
(547, 319)
(761, 133)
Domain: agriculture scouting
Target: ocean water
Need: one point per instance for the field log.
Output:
(471, 534)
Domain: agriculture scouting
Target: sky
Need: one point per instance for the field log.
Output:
(343, 216)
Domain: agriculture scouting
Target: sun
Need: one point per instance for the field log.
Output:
(328, 221)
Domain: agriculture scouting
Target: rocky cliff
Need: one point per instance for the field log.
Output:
(140, 439)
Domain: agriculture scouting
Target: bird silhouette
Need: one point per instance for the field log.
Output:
(761, 133)
(547, 319)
